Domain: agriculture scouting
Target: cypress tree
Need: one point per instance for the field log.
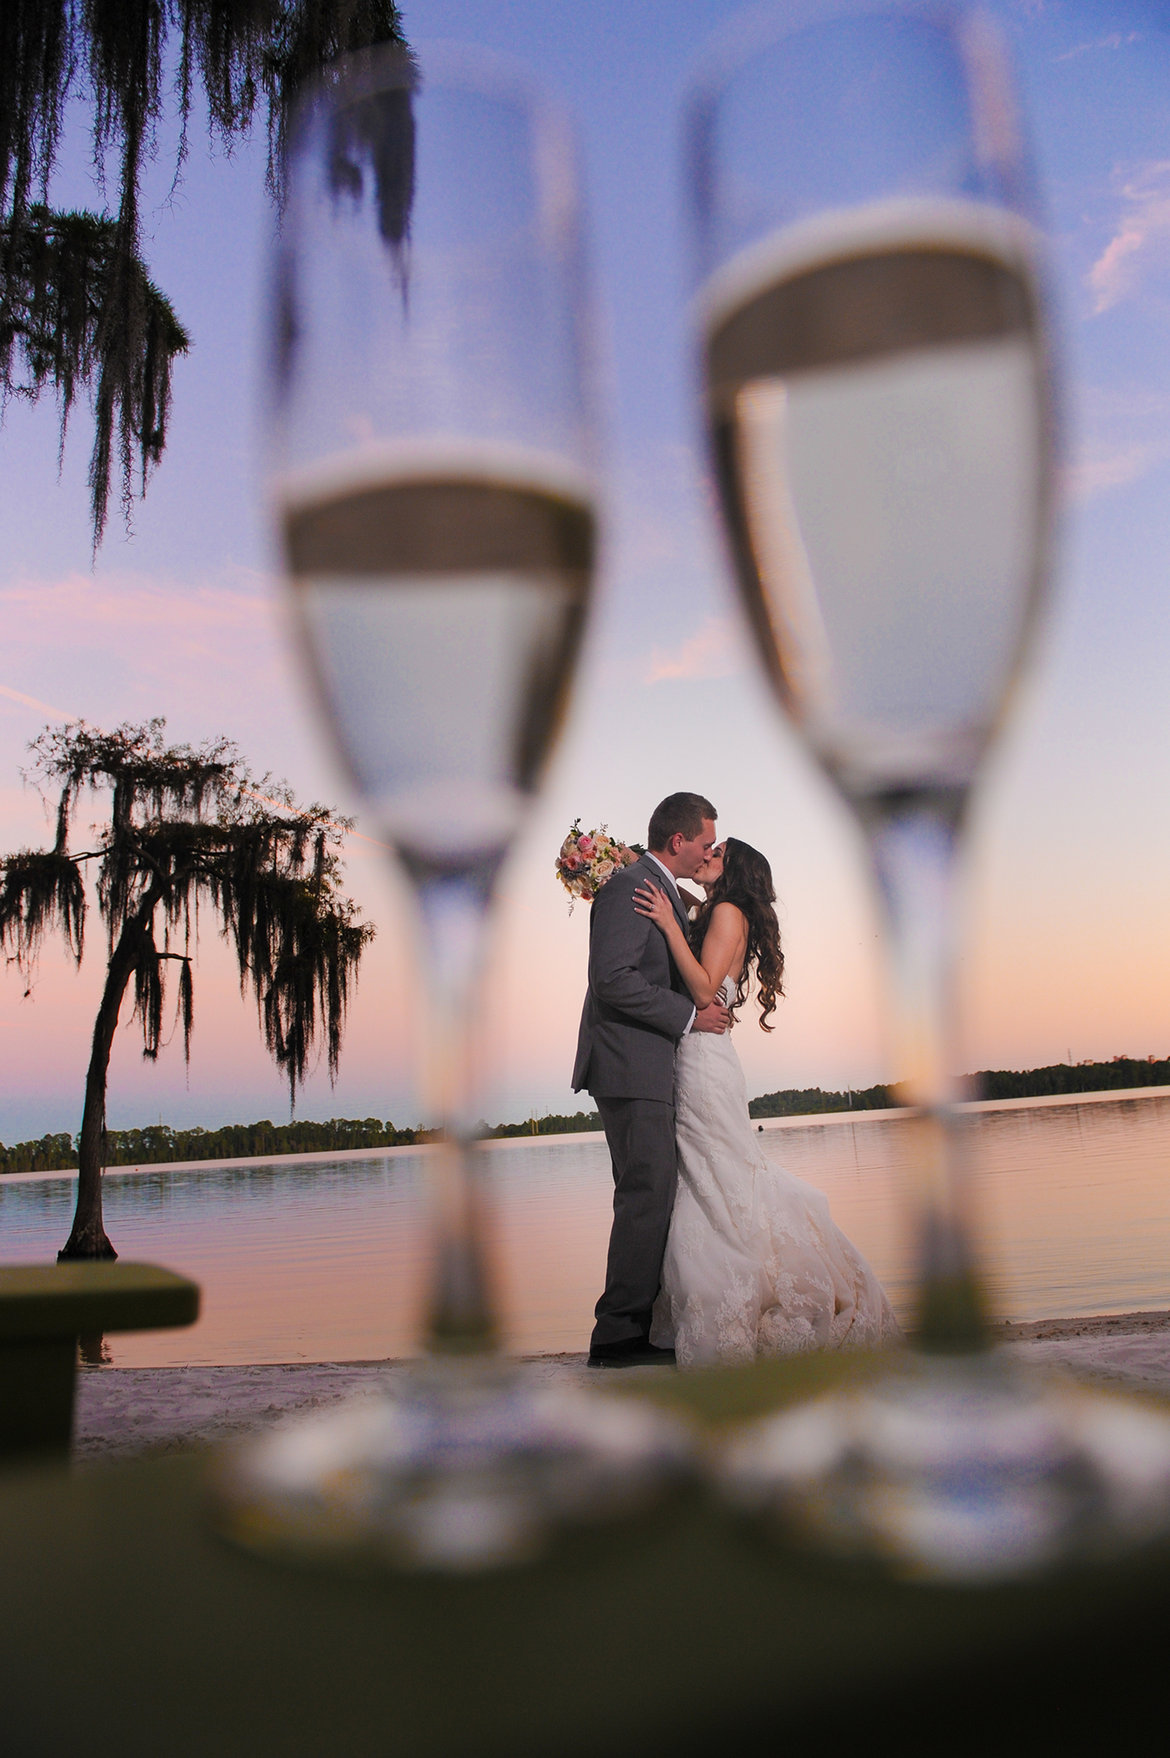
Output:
(189, 829)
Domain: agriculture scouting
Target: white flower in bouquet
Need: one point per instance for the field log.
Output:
(588, 858)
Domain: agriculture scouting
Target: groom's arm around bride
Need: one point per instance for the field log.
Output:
(636, 1009)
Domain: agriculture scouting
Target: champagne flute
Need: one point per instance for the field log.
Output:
(432, 477)
(879, 408)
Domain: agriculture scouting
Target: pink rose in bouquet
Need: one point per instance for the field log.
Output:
(588, 858)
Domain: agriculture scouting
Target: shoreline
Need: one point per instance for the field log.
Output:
(125, 1411)
(1093, 1325)
(808, 1120)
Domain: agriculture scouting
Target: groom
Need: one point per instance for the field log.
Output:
(636, 1009)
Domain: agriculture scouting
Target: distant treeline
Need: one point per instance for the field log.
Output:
(159, 1142)
(1078, 1077)
(237, 1141)
(806, 1101)
(989, 1083)
(555, 1124)
(53, 1153)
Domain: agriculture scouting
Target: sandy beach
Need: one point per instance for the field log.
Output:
(126, 1410)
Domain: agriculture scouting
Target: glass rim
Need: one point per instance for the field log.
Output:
(768, 22)
(999, 136)
(441, 62)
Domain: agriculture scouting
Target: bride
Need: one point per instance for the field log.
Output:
(754, 1264)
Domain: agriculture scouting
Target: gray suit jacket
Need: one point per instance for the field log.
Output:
(637, 1006)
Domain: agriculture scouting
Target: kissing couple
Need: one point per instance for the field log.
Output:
(714, 1255)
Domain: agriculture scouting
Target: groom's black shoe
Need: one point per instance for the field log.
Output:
(634, 1352)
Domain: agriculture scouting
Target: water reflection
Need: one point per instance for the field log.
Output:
(322, 1260)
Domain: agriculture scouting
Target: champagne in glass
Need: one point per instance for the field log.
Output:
(434, 489)
(878, 405)
(450, 591)
(877, 409)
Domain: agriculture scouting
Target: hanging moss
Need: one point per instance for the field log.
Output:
(77, 306)
(78, 312)
(39, 891)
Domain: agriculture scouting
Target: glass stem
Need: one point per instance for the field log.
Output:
(913, 845)
(461, 1316)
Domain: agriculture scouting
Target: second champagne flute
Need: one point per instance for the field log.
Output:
(878, 404)
(434, 485)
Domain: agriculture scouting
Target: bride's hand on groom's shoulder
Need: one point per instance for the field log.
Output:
(650, 901)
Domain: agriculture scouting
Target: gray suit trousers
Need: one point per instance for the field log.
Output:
(640, 1137)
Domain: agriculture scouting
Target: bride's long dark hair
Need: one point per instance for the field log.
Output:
(746, 881)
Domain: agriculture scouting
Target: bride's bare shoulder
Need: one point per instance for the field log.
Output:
(727, 922)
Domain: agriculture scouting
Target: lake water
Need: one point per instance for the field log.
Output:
(321, 1259)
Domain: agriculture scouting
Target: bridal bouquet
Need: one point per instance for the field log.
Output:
(588, 858)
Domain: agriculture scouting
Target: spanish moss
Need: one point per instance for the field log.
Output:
(78, 309)
(40, 892)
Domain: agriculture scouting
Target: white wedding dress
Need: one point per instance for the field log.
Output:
(754, 1264)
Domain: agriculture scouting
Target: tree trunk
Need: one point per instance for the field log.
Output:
(88, 1238)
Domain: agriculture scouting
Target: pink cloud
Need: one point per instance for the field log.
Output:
(103, 649)
(1143, 223)
(138, 601)
(1111, 467)
(1121, 435)
(1116, 40)
(35, 704)
(160, 619)
(125, 646)
(709, 653)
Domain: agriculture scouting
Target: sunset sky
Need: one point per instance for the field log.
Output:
(1067, 952)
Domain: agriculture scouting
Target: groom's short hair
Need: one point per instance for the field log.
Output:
(678, 812)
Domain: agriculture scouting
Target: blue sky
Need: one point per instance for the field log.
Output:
(1068, 943)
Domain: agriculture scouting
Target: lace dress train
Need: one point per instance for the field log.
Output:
(754, 1263)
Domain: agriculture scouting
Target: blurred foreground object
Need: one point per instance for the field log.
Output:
(432, 476)
(44, 1308)
(879, 409)
(735, 1643)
